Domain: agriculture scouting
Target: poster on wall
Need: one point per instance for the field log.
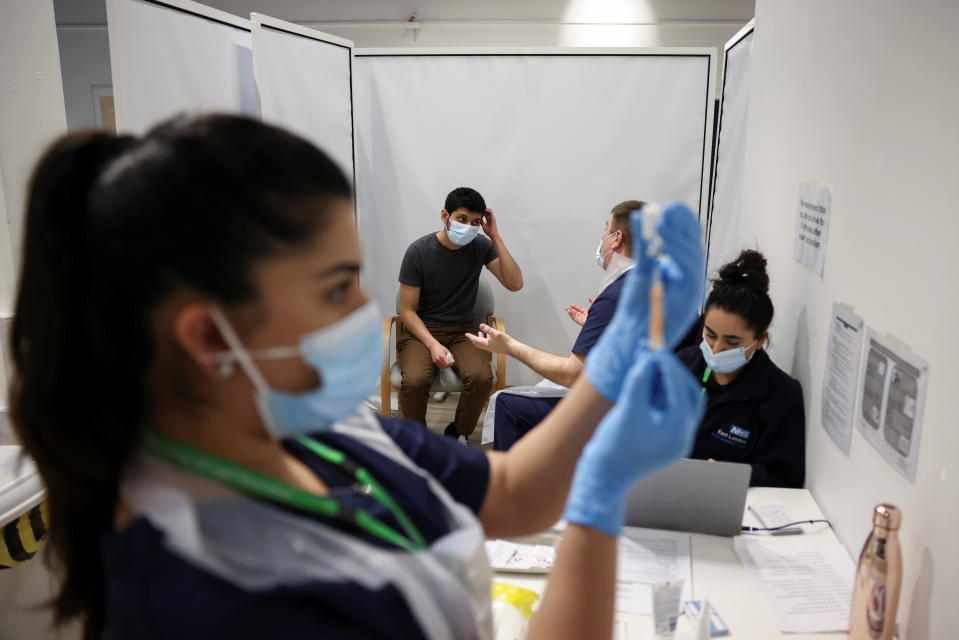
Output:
(812, 224)
(894, 384)
(841, 375)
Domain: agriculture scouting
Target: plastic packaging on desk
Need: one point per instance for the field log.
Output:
(512, 610)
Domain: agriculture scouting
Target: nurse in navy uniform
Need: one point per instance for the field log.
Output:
(754, 411)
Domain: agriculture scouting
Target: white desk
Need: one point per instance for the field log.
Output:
(718, 575)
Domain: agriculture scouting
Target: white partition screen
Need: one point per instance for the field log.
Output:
(304, 83)
(177, 56)
(726, 198)
(551, 139)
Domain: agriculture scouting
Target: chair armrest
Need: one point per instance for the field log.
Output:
(385, 404)
(499, 324)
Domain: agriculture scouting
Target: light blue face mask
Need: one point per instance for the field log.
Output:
(725, 361)
(461, 234)
(347, 356)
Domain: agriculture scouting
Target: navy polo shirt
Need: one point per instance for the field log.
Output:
(154, 593)
(600, 313)
(758, 418)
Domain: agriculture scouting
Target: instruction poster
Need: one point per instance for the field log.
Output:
(839, 383)
(893, 397)
(809, 246)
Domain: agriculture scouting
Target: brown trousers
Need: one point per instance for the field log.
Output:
(472, 365)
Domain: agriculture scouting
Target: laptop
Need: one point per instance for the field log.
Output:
(697, 496)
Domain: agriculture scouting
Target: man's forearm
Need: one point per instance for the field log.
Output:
(414, 324)
(549, 365)
(512, 274)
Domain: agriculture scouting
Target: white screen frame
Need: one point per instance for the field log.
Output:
(706, 52)
(126, 120)
(556, 336)
(266, 100)
(716, 254)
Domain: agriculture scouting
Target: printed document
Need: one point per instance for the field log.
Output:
(808, 585)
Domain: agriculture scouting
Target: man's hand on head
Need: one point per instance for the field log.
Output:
(488, 222)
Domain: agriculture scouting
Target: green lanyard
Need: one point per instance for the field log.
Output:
(706, 375)
(263, 486)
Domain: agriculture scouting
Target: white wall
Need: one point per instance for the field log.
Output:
(31, 113)
(863, 95)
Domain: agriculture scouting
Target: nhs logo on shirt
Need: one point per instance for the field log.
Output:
(734, 435)
(739, 432)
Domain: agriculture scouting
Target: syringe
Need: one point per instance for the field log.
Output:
(652, 214)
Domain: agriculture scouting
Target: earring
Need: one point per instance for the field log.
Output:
(226, 369)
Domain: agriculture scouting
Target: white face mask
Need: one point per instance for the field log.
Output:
(600, 256)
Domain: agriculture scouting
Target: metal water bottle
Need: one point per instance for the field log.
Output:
(875, 596)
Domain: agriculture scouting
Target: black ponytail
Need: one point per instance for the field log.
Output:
(743, 288)
(77, 459)
(114, 226)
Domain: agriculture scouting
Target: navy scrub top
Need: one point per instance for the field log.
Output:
(600, 313)
(153, 593)
(758, 418)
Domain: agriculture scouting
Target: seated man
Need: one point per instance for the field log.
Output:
(439, 278)
(515, 411)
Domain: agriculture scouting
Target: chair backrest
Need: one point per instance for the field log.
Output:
(482, 308)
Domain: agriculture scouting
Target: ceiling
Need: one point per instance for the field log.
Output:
(548, 11)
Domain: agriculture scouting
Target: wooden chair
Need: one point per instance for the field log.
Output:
(445, 380)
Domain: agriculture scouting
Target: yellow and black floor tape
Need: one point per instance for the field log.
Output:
(23, 537)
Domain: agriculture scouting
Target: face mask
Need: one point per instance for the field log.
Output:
(347, 356)
(725, 361)
(461, 234)
(600, 256)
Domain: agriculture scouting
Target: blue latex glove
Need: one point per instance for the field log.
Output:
(652, 425)
(682, 269)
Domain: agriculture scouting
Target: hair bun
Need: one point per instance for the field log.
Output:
(748, 269)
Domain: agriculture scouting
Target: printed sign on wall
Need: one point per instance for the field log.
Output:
(812, 225)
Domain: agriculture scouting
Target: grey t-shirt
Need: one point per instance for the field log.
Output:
(447, 278)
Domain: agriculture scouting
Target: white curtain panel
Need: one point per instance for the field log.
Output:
(168, 60)
(304, 85)
(730, 151)
(551, 141)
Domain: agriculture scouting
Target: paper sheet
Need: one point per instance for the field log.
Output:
(648, 556)
(527, 558)
(894, 384)
(772, 514)
(808, 585)
(812, 225)
(842, 375)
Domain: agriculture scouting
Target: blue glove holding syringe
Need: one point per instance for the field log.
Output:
(658, 403)
(667, 249)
